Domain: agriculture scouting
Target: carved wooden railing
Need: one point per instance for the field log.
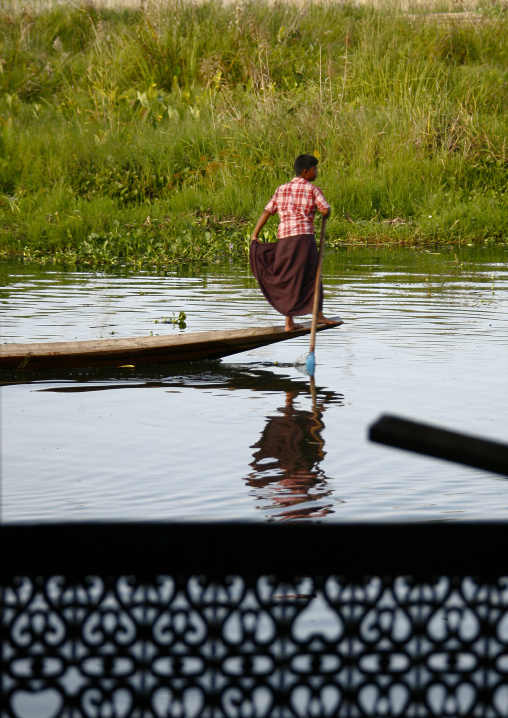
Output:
(103, 620)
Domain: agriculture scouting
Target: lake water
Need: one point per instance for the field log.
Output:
(424, 337)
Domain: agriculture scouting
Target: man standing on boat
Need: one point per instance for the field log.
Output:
(286, 270)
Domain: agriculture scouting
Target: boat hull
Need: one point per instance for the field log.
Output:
(145, 350)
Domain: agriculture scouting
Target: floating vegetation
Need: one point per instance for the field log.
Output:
(155, 135)
(175, 320)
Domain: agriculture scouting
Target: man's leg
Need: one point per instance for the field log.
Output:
(290, 325)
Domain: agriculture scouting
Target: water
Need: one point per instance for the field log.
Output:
(425, 337)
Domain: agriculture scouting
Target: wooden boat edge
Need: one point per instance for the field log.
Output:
(180, 347)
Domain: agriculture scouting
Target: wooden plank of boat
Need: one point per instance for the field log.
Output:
(146, 350)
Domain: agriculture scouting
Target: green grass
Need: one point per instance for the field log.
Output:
(159, 136)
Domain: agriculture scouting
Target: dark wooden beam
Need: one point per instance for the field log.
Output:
(353, 550)
(441, 443)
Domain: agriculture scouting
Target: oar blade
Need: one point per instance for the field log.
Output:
(310, 364)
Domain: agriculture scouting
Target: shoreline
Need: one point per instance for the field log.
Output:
(83, 259)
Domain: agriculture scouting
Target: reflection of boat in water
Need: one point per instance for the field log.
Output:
(196, 375)
(286, 472)
(146, 350)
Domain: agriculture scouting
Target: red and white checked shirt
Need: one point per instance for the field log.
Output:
(296, 202)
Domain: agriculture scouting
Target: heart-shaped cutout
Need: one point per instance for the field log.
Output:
(39, 704)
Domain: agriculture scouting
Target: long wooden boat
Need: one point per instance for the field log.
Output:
(146, 350)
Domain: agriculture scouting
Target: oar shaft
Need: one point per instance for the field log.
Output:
(317, 287)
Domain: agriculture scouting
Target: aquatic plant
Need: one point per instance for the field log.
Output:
(174, 319)
(156, 135)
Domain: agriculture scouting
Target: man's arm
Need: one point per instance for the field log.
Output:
(321, 203)
(259, 226)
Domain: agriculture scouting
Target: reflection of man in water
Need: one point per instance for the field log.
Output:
(286, 463)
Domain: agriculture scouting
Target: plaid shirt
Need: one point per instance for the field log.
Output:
(296, 202)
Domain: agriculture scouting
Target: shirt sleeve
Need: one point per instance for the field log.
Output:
(272, 205)
(320, 200)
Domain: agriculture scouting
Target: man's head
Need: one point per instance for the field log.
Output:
(306, 166)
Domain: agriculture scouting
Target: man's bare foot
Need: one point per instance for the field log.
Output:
(290, 325)
(321, 319)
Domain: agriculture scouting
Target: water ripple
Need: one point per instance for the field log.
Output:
(247, 438)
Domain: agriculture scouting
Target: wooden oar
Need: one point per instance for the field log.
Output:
(310, 363)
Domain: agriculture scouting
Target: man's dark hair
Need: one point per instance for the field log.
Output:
(305, 162)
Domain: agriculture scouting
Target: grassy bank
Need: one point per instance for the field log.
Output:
(158, 135)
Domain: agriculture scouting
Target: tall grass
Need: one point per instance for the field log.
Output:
(161, 132)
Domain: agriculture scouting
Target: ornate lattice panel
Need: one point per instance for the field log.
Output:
(244, 646)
